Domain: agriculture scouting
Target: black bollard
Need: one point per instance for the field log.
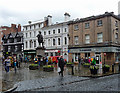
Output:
(119, 66)
(72, 69)
(112, 67)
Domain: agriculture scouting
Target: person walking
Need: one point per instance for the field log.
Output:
(61, 65)
(15, 65)
(7, 64)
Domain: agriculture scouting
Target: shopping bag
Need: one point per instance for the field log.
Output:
(58, 70)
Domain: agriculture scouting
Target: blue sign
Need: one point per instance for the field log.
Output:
(68, 51)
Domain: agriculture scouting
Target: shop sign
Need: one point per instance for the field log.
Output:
(29, 52)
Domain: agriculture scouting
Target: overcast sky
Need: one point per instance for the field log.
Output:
(22, 11)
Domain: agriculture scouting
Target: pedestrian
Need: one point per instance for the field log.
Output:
(26, 59)
(15, 65)
(61, 65)
(36, 60)
(79, 60)
(7, 64)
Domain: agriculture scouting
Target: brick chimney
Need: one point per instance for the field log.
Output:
(13, 26)
(67, 17)
(19, 28)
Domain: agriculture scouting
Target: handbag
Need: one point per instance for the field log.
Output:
(58, 70)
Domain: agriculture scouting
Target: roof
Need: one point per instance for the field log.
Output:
(34, 22)
(13, 35)
(57, 24)
(94, 18)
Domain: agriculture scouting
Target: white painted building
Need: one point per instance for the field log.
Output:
(56, 38)
(30, 31)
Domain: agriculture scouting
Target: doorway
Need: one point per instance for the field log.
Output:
(98, 58)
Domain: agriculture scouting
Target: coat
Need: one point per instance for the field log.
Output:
(61, 63)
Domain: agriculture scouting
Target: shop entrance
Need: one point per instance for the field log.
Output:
(98, 58)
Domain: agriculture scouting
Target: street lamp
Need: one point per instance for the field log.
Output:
(104, 58)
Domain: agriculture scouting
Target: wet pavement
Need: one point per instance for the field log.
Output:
(26, 79)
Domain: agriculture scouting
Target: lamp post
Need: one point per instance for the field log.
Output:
(104, 58)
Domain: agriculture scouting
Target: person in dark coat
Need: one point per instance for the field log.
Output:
(61, 65)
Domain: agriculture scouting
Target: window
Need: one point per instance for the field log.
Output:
(53, 31)
(39, 25)
(30, 43)
(65, 40)
(87, 25)
(26, 28)
(34, 33)
(30, 34)
(49, 32)
(34, 26)
(87, 39)
(116, 23)
(58, 30)
(51, 54)
(76, 40)
(44, 32)
(65, 29)
(99, 37)
(58, 41)
(99, 23)
(53, 42)
(116, 35)
(34, 43)
(30, 27)
(26, 34)
(49, 42)
(26, 44)
(76, 27)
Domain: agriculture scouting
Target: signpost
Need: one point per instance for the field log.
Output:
(104, 57)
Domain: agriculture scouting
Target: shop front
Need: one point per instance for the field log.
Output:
(30, 54)
(107, 55)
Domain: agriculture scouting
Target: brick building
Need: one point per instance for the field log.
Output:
(4, 30)
(97, 36)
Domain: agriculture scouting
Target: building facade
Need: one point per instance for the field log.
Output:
(56, 38)
(95, 36)
(31, 31)
(4, 30)
(13, 45)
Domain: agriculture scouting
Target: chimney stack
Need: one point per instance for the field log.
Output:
(119, 8)
(49, 20)
(67, 17)
(19, 28)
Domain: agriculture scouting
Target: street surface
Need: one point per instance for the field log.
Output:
(107, 83)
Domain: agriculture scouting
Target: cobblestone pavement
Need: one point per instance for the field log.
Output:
(47, 82)
(107, 83)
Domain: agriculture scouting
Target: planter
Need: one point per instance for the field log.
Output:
(48, 68)
(106, 68)
(69, 64)
(33, 67)
(87, 65)
(94, 70)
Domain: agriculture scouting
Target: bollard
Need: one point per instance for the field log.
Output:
(119, 66)
(112, 67)
(72, 69)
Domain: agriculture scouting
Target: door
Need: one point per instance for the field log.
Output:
(98, 58)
